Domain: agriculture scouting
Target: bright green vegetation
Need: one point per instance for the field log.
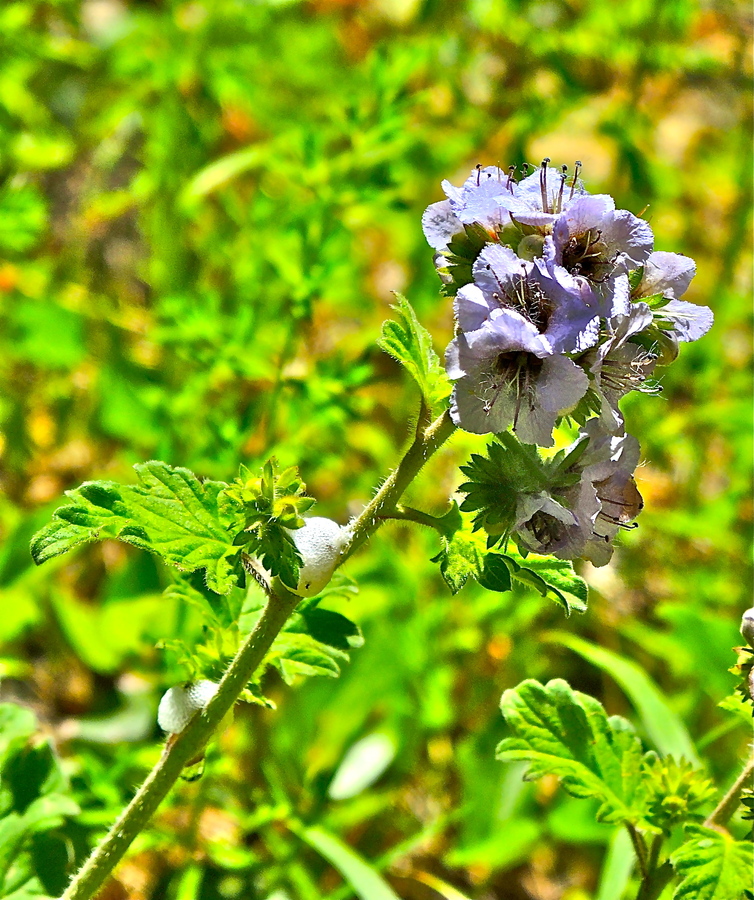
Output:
(205, 209)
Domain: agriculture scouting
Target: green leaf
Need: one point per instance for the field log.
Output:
(33, 801)
(495, 481)
(460, 559)
(712, 866)
(411, 344)
(366, 882)
(170, 513)
(565, 733)
(550, 577)
(663, 725)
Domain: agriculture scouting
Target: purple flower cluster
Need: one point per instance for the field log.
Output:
(562, 308)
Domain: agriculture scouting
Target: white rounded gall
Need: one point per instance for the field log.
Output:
(178, 704)
(747, 626)
(320, 542)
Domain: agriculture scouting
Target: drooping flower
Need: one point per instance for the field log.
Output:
(665, 278)
(619, 365)
(581, 519)
(516, 321)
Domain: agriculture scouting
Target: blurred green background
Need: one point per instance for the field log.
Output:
(204, 209)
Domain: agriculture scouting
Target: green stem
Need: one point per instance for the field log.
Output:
(728, 805)
(280, 605)
(640, 848)
(408, 514)
(427, 440)
(188, 744)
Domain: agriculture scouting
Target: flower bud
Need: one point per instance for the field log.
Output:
(320, 542)
(179, 704)
(747, 626)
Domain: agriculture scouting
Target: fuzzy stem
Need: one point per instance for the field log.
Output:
(280, 605)
(728, 805)
(185, 747)
(640, 848)
(425, 443)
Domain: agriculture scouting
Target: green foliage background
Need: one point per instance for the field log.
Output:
(204, 209)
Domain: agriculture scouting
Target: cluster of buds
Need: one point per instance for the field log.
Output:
(562, 308)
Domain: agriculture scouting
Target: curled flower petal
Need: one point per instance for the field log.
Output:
(665, 273)
(689, 322)
(439, 224)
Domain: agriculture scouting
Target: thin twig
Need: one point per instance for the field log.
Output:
(727, 806)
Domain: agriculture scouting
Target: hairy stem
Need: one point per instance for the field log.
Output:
(640, 848)
(426, 441)
(728, 805)
(655, 878)
(280, 605)
(185, 747)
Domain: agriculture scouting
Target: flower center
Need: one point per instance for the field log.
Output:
(588, 255)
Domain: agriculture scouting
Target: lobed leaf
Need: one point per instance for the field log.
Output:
(712, 866)
(169, 512)
(562, 732)
(411, 344)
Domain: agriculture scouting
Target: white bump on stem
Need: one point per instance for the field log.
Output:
(320, 542)
(178, 704)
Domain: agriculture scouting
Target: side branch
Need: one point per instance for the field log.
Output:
(727, 806)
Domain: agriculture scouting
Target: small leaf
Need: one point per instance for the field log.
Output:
(712, 866)
(460, 559)
(411, 344)
(495, 574)
(170, 513)
(565, 733)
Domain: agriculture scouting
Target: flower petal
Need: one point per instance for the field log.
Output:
(668, 274)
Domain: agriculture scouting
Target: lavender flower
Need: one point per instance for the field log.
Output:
(581, 520)
(516, 321)
(668, 275)
(478, 200)
(594, 241)
(540, 198)
(619, 365)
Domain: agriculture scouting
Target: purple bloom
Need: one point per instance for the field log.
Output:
(669, 275)
(618, 365)
(582, 520)
(516, 321)
(594, 241)
(477, 200)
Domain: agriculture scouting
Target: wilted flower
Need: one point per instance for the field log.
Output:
(516, 321)
(581, 519)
